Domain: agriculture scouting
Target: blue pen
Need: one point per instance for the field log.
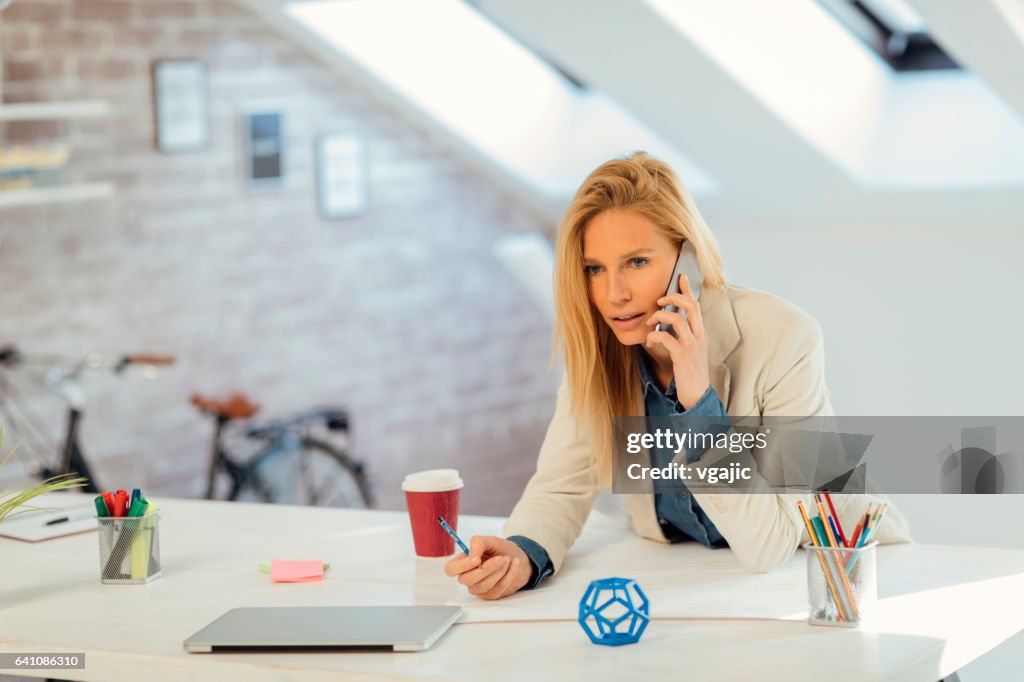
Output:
(835, 529)
(448, 529)
(136, 494)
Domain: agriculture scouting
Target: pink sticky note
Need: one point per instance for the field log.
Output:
(296, 571)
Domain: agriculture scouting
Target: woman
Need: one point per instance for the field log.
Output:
(738, 352)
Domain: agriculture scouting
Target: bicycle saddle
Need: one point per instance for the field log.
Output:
(235, 406)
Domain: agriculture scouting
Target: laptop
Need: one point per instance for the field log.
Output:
(321, 628)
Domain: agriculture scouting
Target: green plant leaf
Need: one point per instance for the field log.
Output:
(13, 498)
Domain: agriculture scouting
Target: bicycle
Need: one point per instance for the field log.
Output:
(65, 381)
(293, 464)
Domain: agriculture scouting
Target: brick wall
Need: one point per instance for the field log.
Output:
(402, 314)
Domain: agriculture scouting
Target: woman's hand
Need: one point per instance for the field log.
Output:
(494, 568)
(689, 351)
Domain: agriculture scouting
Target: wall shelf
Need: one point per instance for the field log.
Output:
(57, 194)
(54, 111)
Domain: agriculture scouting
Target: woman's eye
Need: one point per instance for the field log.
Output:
(638, 262)
(591, 269)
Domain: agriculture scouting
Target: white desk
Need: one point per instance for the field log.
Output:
(940, 607)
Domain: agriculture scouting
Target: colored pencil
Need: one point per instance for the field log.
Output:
(878, 519)
(824, 520)
(868, 535)
(839, 525)
(867, 527)
(840, 564)
(821, 560)
(857, 531)
(835, 530)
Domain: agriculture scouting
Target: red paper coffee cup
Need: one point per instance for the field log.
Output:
(429, 494)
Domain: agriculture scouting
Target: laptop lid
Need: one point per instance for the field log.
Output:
(384, 628)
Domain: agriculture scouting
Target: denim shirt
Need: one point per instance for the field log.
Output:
(680, 516)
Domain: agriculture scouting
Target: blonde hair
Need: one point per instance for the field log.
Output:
(602, 374)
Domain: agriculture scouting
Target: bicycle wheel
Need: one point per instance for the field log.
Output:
(306, 472)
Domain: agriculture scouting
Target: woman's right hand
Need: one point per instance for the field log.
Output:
(494, 568)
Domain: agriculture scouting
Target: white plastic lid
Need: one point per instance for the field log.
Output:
(432, 481)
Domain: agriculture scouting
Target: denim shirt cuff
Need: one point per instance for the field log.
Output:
(709, 409)
(709, 405)
(539, 560)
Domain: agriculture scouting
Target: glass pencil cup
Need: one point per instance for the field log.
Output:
(841, 584)
(129, 549)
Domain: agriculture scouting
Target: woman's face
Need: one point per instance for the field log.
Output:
(628, 263)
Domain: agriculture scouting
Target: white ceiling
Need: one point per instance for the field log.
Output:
(463, 72)
(772, 112)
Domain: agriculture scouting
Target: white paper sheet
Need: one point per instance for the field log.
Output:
(681, 581)
(31, 526)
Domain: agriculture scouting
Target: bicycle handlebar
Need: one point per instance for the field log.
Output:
(11, 356)
(148, 359)
(143, 359)
(64, 378)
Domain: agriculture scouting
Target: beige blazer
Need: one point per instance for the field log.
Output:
(766, 358)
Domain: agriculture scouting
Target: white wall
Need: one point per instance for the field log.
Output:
(918, 320)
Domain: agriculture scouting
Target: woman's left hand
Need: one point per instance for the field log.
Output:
(689, 351)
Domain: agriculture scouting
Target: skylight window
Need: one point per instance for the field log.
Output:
(510, 105)
(894, 31)
(943, 128)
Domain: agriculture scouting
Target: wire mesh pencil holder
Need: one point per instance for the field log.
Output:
(842, 585)
(129, 549)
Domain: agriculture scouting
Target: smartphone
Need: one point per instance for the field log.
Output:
(686, 264)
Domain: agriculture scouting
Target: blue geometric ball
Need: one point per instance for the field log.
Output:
(614, 611)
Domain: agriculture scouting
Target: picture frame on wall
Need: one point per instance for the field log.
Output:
(341, 174)
(263, 137)
(180, 105)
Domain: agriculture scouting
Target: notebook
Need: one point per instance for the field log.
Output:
(33, 527)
